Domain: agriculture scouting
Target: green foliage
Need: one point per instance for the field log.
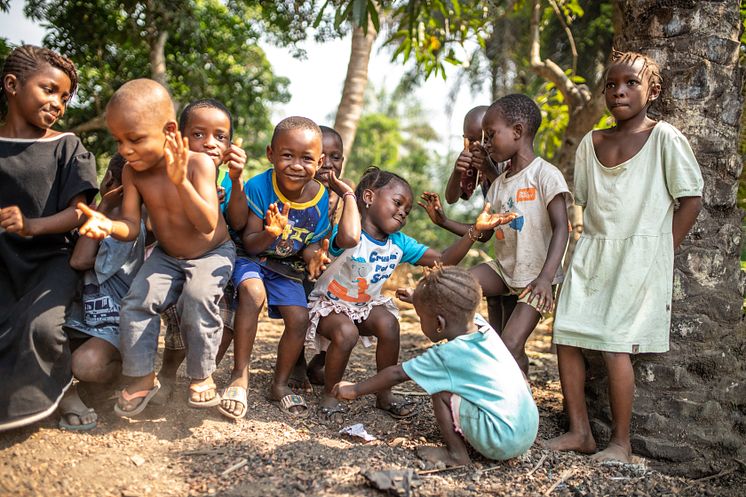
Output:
(211, 51)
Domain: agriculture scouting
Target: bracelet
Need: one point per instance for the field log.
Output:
(349, 194)
(473, 234)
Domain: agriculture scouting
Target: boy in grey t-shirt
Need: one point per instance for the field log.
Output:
(93, 324)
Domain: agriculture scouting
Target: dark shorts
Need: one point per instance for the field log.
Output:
(280, 289)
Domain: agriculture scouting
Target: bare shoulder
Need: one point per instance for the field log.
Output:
(200, 166)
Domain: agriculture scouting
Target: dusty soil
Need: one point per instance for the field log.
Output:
(176, 451)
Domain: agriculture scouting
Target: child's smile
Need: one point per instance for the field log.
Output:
(388, 212)
(296, 156)
(46, 93)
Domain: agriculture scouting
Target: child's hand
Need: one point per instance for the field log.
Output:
(97, 226)
(433, 207)
(176, 152)
(111, 199)
(13, 221)
(463, 162)
(338, 186)
(344, 390)
(275, 221)
(487, 221)
(540, 289)
(317, 264)
(405, 294)
(235, 158)
(478, 156)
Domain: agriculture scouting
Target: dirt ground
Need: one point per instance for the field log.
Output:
(177, 451)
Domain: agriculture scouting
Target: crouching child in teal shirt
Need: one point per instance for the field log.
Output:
(479, 393)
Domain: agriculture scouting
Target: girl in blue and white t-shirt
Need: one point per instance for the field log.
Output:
(346, 302)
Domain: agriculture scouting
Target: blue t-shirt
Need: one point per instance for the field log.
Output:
(308, 222)
(225, 182)
(497, 413)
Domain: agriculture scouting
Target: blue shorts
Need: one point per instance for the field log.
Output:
(280, 289)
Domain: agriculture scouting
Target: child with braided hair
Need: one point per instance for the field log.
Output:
(43, 175)
(479, 393)
(346, 303)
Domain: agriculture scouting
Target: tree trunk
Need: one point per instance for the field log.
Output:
(351, 105)
(690, 402)
(158, 58)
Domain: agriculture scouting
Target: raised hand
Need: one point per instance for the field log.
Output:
(111, 199)
(177, 153)
(98, 226)
(337, 185)
(540, 289)
(433, 207)
(405, 295)
(235, 158)
(275, 221)
(317, 264)
(344, 390)
(13, 221)
(487, 221)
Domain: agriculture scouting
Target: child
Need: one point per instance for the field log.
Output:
(475, 161)
(288, 218)
(43, 175)
(93, 326)
(194, 258)
(617, 297)
(477, 390)
(347, 302)
(208, 125)
(528, 251)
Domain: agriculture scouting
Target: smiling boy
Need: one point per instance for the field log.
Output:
(194, 257)
(288, 217)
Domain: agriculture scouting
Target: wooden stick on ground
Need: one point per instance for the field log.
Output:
(567, 474)
(239, 464)
(538, 465)
(440, 470)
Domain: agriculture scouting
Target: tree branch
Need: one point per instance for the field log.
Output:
(98, 122)
(549, 70)
(570, 38)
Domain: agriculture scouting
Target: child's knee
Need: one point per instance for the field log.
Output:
(386, 327)
(90, 364)
(296, 320)
(345, 337)
(251, 296)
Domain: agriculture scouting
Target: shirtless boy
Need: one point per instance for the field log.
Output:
(194, 257)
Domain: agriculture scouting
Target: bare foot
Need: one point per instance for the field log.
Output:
(163, 396)
(74, 412)
(238, 379)
(614, 452)
(437, 455)
(572, 441)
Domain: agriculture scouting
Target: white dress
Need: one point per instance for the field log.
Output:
(617, 294)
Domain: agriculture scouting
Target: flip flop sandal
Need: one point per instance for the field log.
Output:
(201, 389)
(332, 414)
(237, 394)
(64, 425)
(395, 408)
(291, 400)
(146, 395)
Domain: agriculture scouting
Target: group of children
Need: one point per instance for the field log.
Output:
(176, 235)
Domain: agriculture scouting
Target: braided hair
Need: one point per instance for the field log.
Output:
(27, 59)
(450, 291)
(375, 179)
(650, 68)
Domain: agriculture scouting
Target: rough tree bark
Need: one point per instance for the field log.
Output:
(690, 403)
(351, 104)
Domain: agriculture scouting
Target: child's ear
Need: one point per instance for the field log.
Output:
(269, 154)
(368, 196)
(10, 84)
(518, 130)
(441, 323)
(170, 128)
(321, 160)
(655, 92)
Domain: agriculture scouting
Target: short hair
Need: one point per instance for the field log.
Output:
(375, 179)
(116, 164)
(295, 122)
(204, 103)
(451, 291)
(650, 67)
(327, 131)
(144, 95)
(519, 108)
(477, 112)
(27, 59)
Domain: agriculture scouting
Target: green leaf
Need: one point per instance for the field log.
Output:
(320, 15)
(360, 13)
(374, 15)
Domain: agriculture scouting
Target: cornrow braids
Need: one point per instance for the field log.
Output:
(204, 103)
(27, 59)
(650, 68)
(375, 179)
(451, 291)
(295, 122)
